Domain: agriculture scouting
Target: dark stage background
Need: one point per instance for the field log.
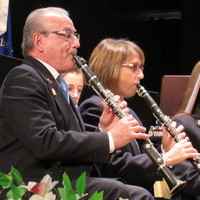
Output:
(168, 31)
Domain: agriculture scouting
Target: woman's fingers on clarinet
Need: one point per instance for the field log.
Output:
(179, 129)
(191, 152)
(188, 148)
(185, 142)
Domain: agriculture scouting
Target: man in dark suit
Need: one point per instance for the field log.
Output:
(40, 131)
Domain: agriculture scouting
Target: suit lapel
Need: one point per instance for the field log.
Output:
(77, 114)
(55, 91)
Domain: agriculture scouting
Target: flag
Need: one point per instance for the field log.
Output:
(5, 29)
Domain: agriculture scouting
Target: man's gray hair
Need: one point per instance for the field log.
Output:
(35, 23)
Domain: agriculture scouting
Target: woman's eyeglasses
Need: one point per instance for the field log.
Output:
(135, 67)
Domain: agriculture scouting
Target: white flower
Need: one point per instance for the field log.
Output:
(47, 196)
(43, 188)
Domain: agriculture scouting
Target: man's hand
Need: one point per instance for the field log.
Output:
(108, 116)
(123, 130)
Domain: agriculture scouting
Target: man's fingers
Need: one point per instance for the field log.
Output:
(140, 135)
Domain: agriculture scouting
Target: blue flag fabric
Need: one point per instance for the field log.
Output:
(6, 39)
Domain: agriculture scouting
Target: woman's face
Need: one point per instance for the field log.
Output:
(130, 75)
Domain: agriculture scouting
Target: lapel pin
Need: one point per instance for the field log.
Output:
(198, 122)
(49, 80)
(53, 91)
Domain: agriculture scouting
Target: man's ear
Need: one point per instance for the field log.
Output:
(38, 41)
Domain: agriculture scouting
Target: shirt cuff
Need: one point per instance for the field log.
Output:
(111, 142)
(163, 154)
(164, 157)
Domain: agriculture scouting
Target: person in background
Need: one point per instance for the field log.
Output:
(119, 64)
(75, 82)
(41, 131)
(189, 116)
(189, 112)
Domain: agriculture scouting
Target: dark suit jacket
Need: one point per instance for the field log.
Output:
(39, 133)
(133, 166)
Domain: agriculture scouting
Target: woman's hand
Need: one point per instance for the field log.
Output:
(181, 151)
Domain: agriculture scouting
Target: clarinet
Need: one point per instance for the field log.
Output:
(165, 121)
(174, 184)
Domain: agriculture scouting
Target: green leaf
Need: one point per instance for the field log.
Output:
(15, 192)
(66, 194)
(16, 176)
(5, 180)
(97, 196)
(80, 184)
(62, 193)
(66, 181)
(70, 195)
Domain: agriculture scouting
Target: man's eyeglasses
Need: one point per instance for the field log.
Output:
(135, 67)
(68, 34)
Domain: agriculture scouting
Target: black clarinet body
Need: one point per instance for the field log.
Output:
(165, 121)
(174, 184)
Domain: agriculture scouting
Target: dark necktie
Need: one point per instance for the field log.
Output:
(63, 87)
(65, 91)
